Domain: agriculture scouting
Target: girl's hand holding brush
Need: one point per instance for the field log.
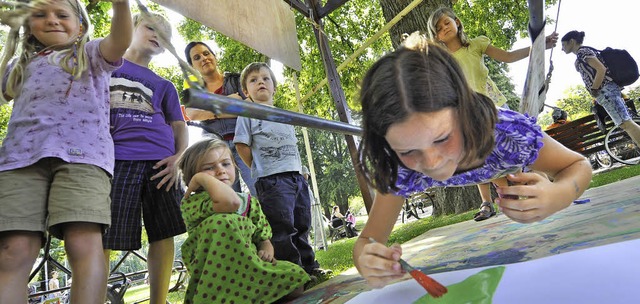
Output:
(379, 264)
(433, 287)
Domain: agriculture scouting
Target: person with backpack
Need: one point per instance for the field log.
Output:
(598, 78)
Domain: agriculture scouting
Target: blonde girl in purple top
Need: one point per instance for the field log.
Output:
(57, 159)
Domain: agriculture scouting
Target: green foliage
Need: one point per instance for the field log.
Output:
(356, 204)
(577, 102)
(634, 93)
(336, 180)
(503, 22)
(100, 15)
(100, 18)
(5, 114)
(171, 73)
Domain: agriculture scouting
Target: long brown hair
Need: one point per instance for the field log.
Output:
(418, 77)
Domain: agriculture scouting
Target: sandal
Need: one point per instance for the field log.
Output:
(484, 214)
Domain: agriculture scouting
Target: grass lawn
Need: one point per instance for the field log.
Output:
(338, 255)
(614, 175)
(140, 292)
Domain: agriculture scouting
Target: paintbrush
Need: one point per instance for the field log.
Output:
(433, 287)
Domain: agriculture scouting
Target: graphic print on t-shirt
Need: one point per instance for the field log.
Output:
(127, 94)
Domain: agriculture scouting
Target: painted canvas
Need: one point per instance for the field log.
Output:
(611, 216)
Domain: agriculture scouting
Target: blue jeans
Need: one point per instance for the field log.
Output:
(284, 198)
(610, 99)
(245, 172)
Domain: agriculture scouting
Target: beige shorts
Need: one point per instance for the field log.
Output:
(51, 192)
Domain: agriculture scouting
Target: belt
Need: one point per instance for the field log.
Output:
(290, 173)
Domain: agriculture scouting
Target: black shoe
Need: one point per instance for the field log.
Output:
(319, 272)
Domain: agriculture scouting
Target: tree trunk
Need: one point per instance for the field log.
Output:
(447, 200)
(416, 20)
(453, 200)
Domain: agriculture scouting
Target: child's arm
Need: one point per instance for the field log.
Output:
(265, 252)
(170, 173)
(223, 196)
(116, 43)
(519, 54)
(244, 152)
(377, 263)
(538, 197)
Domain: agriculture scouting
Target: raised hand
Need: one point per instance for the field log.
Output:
(551, 40)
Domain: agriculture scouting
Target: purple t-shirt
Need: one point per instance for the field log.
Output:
(46, 122)
(518, 141)
(143, 105)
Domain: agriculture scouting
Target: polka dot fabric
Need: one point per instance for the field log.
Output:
(222, 258)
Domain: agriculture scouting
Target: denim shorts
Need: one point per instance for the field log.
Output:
(611, 100)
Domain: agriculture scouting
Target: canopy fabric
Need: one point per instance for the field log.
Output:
(267, 26)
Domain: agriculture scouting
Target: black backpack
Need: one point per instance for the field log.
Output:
(623, 69)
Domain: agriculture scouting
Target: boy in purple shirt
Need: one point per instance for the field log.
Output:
(149, 133)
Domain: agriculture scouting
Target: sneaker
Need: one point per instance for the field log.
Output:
(319, 272)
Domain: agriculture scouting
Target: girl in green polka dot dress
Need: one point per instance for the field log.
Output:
(228, 253)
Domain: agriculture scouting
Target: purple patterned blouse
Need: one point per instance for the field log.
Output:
(56, 117)
(518, 140)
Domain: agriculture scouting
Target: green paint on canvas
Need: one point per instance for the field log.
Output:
(478, 289)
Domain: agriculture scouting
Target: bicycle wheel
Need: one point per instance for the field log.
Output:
(621, 147)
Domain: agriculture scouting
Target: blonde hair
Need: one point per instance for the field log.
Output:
(72, 58)
(432, 25)
(193, 157)
(157, 21)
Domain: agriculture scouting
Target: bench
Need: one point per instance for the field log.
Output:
(581, 135)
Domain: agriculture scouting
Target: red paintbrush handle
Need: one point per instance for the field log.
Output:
(432, 286)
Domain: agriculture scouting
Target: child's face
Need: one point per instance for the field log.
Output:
(447, 29)
(260, 86)
(203, 60)
(430, 143)
(55, 23)
(218, 163)
(145, 39)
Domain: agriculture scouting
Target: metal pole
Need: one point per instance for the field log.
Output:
(203, 100)
(335, 88)
(317, 224)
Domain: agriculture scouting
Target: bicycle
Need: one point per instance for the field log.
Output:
(617, 142)
(418, 200)
(621, 147)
